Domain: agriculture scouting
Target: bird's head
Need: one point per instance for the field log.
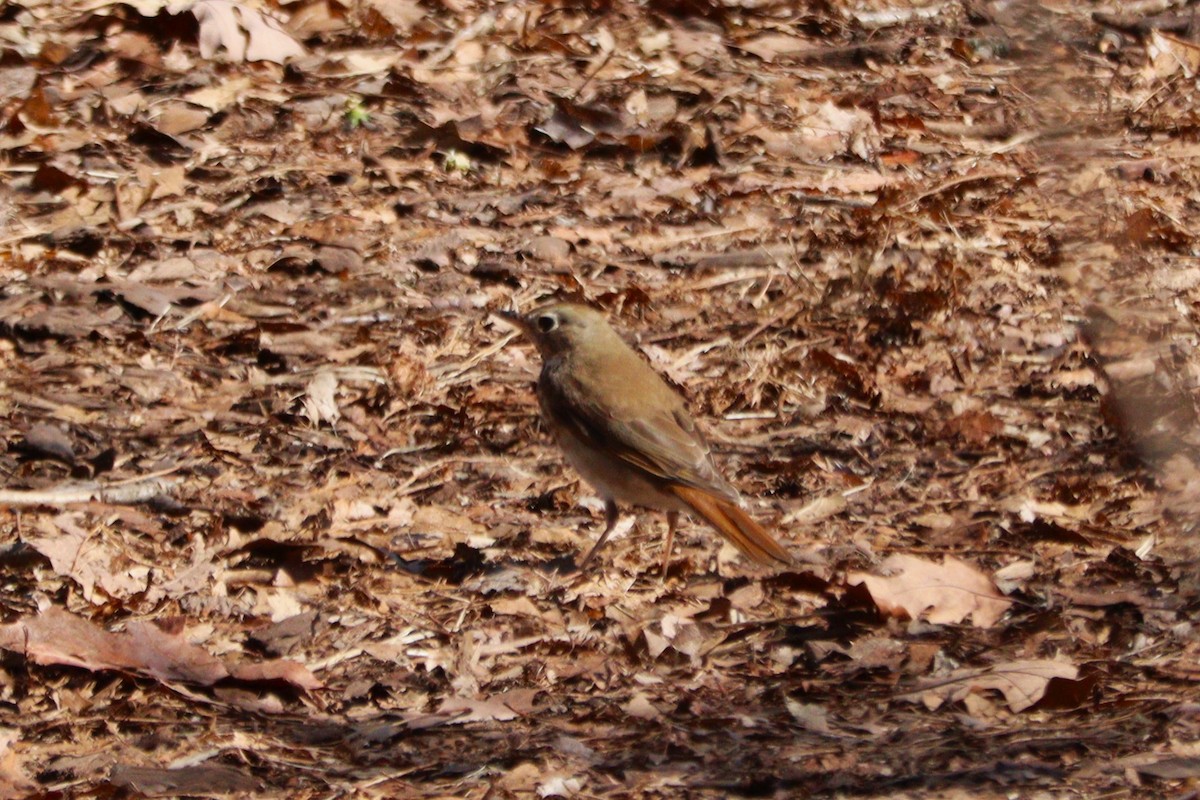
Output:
(560, 327)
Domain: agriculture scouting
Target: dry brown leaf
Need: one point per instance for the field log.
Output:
(1167, 55)
(402, 14)
(445, 523)
(521, 779)
(1023, 683)
(320, 398)
(810, 716)
(90, 559)
(14, 782)
(944, 594)
(193, 779)
(497, 708)
(244, 32)
(70, 322)
(515, 607)
(50, 440)
(179, 268)
(175, 118)
(276, 670)
(681, 635)
(877, 651)
(222, 95)
(550, 249)
(58, 637)
(640, 707)
(770, 46)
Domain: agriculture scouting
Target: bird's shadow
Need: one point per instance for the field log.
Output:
(467, 563)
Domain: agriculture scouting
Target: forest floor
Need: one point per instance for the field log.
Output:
(278, 517)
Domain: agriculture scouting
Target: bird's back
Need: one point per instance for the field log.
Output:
(605, 388)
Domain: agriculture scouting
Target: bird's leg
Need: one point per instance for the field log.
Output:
(611, 514)
(672, 521)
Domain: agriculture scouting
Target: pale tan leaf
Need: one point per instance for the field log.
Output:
(88, 558)
(946, 593)
(1168, 55)
(14, 781)
(640, 707)
(498, 708)
(1023, 683)
(402, 14)
(320, 398)
(245, 33)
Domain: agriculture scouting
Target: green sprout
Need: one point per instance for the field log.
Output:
(356, 113)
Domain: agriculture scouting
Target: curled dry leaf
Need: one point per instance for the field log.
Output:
(771, 46)
(945, 594)
(320, 398)
(1022, 683)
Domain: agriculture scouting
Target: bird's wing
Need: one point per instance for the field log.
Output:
(659, 438)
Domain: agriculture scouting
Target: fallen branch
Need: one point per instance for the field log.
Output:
(126, 493)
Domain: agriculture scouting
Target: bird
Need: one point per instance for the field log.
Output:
(628, 433)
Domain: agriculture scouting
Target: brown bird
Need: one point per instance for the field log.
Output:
(627, 432)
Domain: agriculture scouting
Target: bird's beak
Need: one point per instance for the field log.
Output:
(513, 319)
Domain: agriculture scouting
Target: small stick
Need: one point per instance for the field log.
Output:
(126, 493)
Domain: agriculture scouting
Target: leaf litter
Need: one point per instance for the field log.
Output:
(277, 514)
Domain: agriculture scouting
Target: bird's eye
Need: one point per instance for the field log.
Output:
(547, 323)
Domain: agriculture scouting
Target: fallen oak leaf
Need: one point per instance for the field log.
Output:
(497, 708)
(245, 33)
(1023, 683)
(151, 651)
(944, 594)
(57, 637)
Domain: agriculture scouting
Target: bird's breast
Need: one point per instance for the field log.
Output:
(597, 462)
